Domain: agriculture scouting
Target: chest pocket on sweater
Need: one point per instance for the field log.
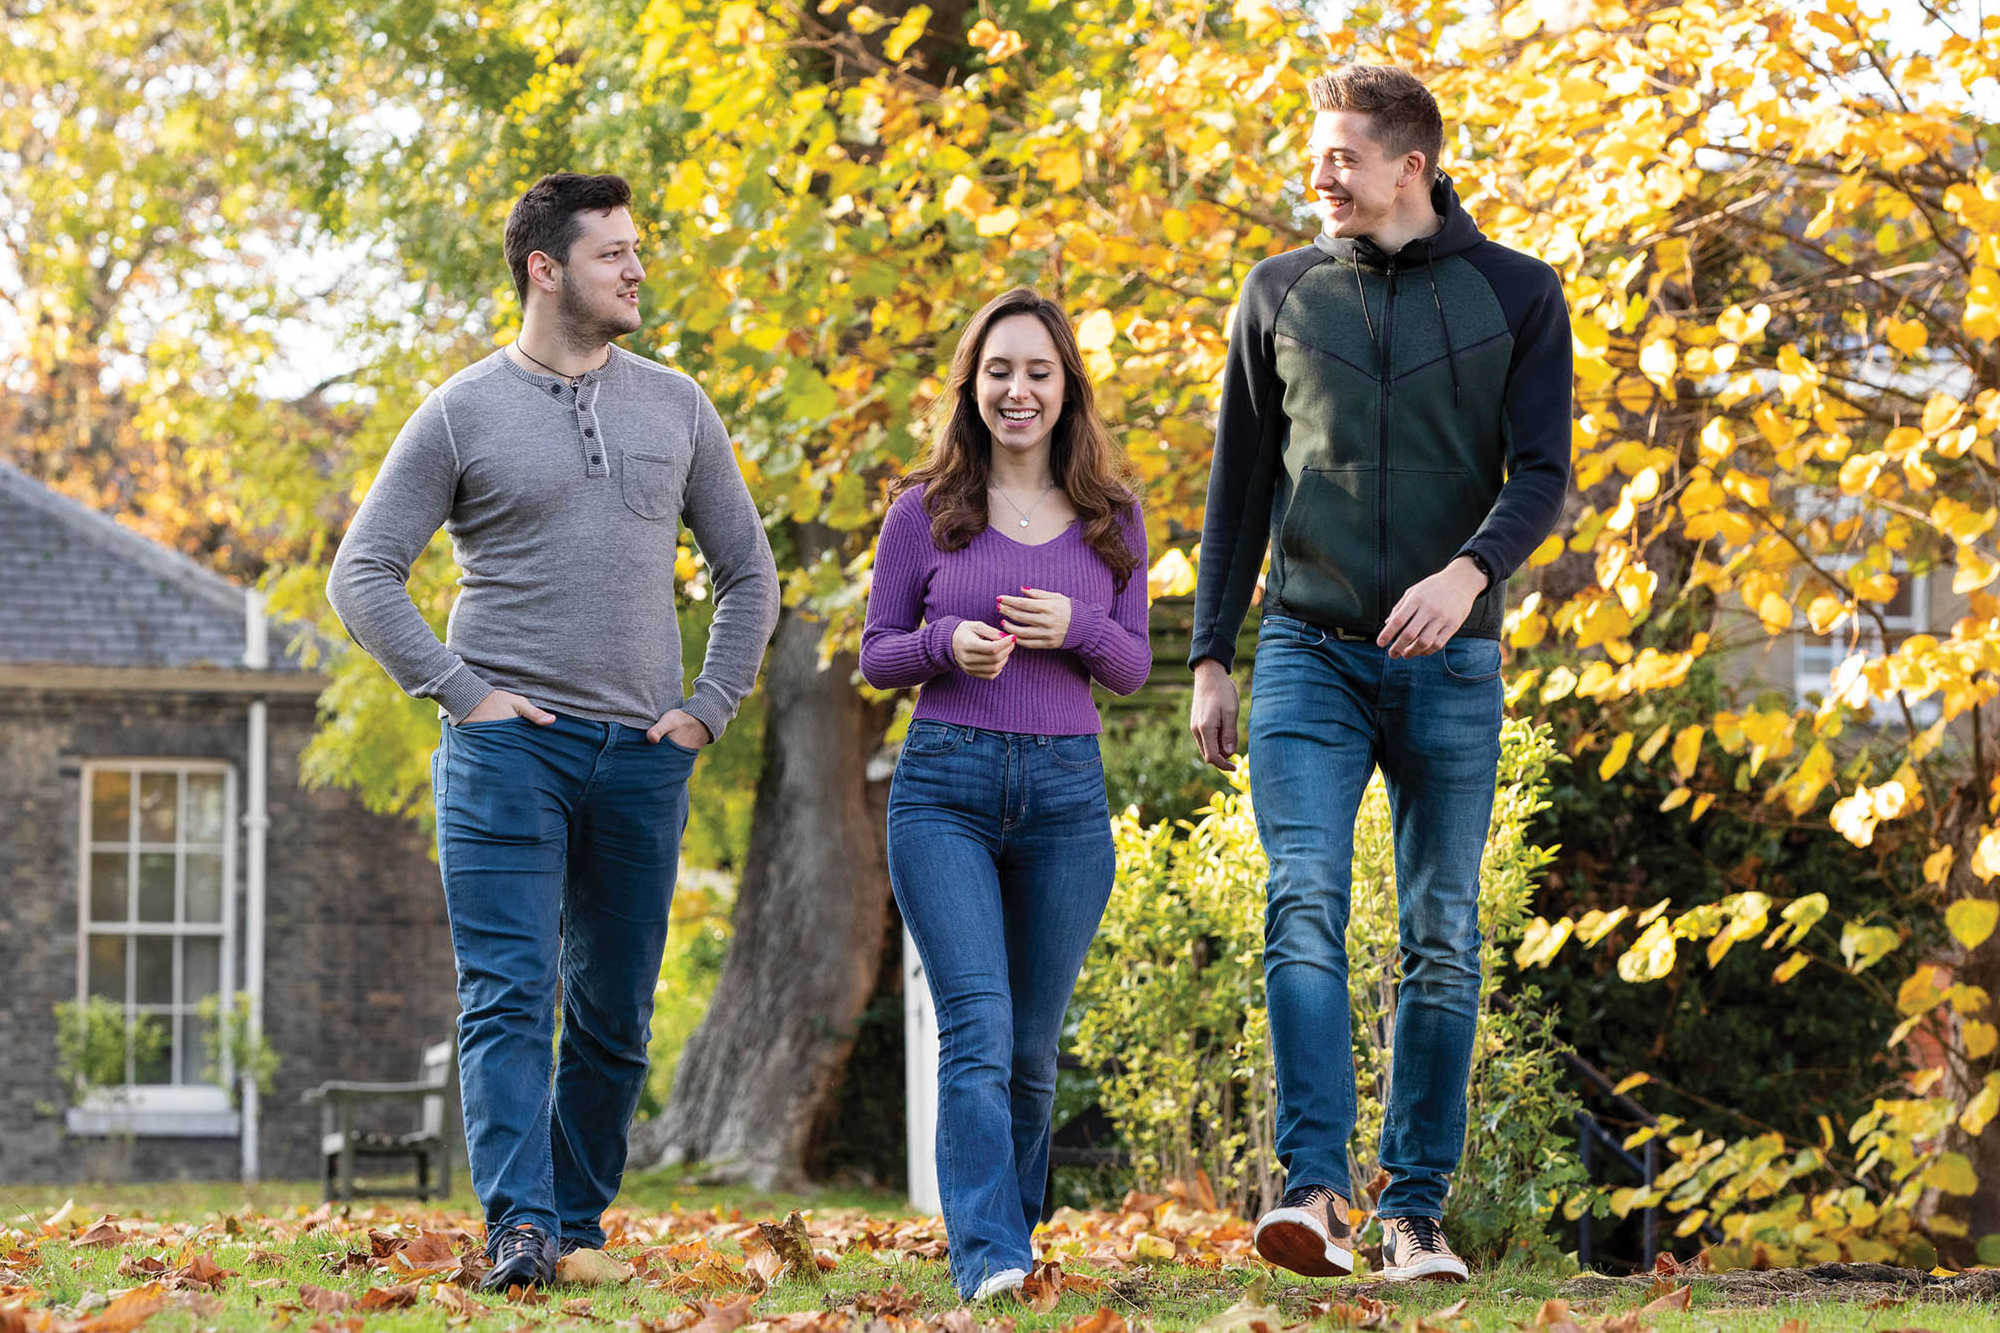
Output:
(651, 485)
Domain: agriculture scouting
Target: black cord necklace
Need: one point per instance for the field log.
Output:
(574, 380)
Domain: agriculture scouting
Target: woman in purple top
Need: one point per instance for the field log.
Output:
(1011, 573)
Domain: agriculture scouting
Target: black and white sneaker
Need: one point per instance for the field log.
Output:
(1414, 1249)
(1307, 1233)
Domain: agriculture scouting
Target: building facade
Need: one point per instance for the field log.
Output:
(160, 855)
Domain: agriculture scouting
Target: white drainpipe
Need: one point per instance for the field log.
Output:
(256, 819)
(920, 1075)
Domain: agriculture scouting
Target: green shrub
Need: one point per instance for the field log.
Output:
(1171, 1007)
(1150, 762)
(230, 1041)
(95, 1046)
(697, 941)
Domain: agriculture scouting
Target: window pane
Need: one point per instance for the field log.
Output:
(156, 1067)
(111, 806)
(156, 886)
(107, 967)
(110, 886)
(158, 795)
(204, 807)
(155, 979)
(204, 887)
(193, 1056)
(201, 968)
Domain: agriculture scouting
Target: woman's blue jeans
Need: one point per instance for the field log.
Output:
(1001, 860)
(1325, 713)
(558, 847)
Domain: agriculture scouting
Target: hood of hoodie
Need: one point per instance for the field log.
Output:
(1458, 234)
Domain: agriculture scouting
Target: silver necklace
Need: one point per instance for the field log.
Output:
(1024, 513)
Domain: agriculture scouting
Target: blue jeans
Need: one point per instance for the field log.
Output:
(1324, 714)
(1001, 861)
(558, 847)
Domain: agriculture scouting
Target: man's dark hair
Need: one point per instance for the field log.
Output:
(545, 218)
(1402, 111)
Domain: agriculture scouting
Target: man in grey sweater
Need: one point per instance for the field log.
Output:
(562, 467)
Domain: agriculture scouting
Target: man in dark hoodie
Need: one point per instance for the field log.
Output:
(1396, 411)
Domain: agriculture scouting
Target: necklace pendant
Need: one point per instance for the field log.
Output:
(1024, 522)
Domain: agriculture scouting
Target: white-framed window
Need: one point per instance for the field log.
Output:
(1816, 658)
(156, 922)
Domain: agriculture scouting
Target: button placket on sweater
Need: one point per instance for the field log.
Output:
(589, 434)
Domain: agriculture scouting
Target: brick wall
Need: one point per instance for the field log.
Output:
(357, 974)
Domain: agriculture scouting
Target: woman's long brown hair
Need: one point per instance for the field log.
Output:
(1084, 459)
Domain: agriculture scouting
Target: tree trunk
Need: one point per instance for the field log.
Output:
(762, 1073)
(761, 1070)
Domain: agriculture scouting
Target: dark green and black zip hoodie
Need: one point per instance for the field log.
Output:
(1381, 415)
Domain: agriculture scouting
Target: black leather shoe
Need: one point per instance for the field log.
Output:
(524, 1256)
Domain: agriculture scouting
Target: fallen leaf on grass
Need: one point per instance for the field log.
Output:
(1103, 1320)
(890, 1302)
(724, 1316)
(1680, 1298)
(396, 1297)
(60, 1217)
(1554, 1316)
(456, 1300)
(322, 1300)
(1361, 1312)
(102, 1235)
(144, 1265)
(1793, 1326)
(793, 1246)
(201, 1304)
(424, 1254)
(263, 1259)
(201, 1271)
(1451, 1311)
(1244, 1317)
(592, 1268)
(1150, 1249)
(713, 1273)
(128, 1311)
(765, 1266)
(1042, 1288)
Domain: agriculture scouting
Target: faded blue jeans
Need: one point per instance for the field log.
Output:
(1001, 861)
(558, 847)
(1325, 713)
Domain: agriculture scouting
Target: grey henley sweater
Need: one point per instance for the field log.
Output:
(564, 507)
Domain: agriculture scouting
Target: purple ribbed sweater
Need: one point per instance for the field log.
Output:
(920, 595)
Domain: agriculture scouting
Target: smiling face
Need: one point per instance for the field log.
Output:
(1019, 384)
(1355, 178)
(598, 292)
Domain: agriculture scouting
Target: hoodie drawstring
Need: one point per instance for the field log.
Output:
(1381, 352)
(1450, 352)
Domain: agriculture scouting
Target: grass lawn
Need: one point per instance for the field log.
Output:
(197, 1257)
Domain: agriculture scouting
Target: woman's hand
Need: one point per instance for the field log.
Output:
(1037, 619)
(979, 649)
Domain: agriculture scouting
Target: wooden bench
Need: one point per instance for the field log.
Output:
(428, 1148)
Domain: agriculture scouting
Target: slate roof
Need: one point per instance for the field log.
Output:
(78, 589)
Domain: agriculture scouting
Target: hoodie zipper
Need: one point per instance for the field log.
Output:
(1384, 394)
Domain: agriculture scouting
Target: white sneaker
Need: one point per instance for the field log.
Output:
(1414, 1248)
(1000, 1283)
